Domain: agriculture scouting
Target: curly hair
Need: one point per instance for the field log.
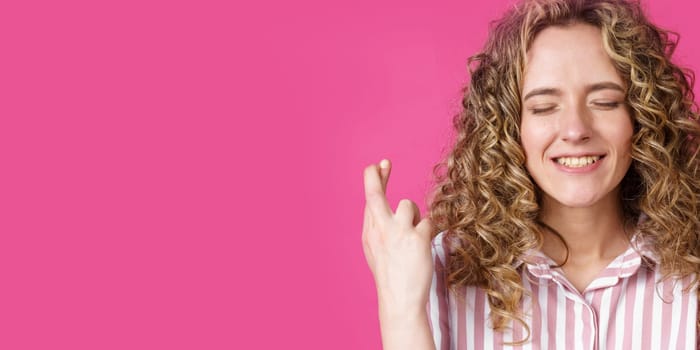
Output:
(488, 204)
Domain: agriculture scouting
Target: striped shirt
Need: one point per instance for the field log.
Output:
(622, 308)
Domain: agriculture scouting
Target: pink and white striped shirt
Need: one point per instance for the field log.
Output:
(623, 308)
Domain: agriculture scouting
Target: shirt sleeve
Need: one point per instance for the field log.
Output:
(438, 302)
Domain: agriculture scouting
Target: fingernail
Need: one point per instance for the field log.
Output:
(384, 164)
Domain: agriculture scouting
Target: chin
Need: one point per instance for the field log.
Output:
(576, 200)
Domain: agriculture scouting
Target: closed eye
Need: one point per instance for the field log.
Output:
(607, 105)
(541, 110)
(599, 105)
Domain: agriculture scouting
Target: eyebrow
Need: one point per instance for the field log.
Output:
(606, 85)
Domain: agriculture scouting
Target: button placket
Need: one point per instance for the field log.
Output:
(594, 320)
(572, 293)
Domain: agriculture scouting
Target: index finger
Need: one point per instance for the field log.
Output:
(374, 193)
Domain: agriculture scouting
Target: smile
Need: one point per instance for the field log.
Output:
(577, 162)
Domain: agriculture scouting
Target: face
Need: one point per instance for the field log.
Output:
(575, 128)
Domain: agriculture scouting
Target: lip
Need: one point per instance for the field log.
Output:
(578, 155)
(581, 170)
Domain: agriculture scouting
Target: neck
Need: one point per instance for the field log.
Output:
(592, 233)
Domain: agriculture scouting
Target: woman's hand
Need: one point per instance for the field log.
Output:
(397, 248)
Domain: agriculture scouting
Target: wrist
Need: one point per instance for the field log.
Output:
(405, 328)
(397, 313)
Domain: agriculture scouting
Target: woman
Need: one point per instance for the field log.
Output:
(567, 214)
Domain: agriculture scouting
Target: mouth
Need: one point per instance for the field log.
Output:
(578, 162)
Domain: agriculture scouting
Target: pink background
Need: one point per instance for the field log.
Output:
(188, 174)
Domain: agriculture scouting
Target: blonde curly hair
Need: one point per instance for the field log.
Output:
(488, 204)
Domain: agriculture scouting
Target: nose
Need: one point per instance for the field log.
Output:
(575, 126)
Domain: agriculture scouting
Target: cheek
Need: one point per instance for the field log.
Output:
(530, 138)
(623, 135)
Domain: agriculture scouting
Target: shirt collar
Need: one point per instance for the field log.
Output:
(644, 247)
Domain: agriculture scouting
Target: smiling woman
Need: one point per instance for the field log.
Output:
(574, 129)
(566, 215)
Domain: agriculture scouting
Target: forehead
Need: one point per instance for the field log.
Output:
(568, 56)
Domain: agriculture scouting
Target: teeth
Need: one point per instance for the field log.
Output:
(578, 162)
